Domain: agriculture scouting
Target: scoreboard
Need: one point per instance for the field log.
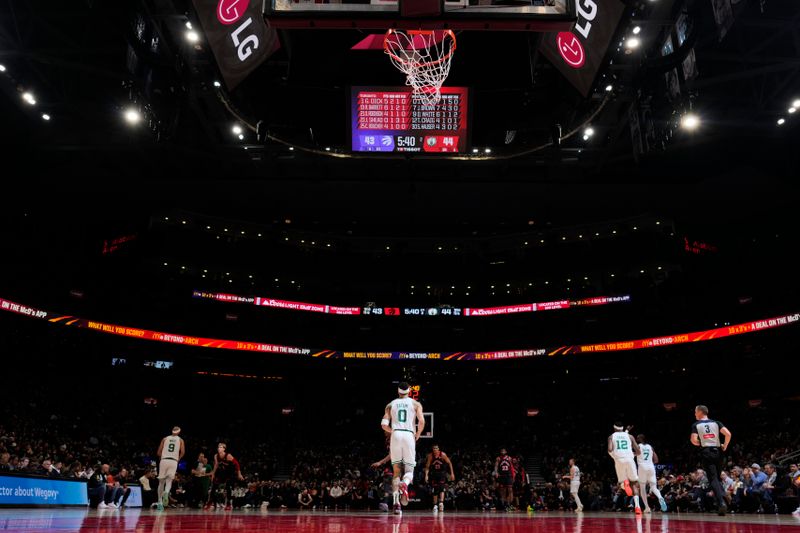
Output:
(392, 119)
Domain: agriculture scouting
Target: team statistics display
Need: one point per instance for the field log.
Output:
(392, 119)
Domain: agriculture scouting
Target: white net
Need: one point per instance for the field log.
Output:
(424, 56)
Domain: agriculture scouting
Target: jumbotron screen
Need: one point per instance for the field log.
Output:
(392, 119)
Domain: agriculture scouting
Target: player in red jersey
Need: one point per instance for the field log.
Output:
(226, 468)
(436, 467)
(504, 473)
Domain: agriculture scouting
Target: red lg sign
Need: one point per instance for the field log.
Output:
(571, 49)
(229, 11)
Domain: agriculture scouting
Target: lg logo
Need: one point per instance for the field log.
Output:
(587, 11)
(229, 12)
(569, 46)
(571, 49)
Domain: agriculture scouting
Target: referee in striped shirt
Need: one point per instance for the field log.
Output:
(707, 435)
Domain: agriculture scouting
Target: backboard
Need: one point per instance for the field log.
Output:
(493, 15)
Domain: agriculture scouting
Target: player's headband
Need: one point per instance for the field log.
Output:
(404, 391)
(619, 428)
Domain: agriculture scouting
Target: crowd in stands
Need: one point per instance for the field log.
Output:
(111, 451)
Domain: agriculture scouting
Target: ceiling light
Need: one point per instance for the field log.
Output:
(792, 110)
(132, 116)
(609, 88)
(690, 122)
(236, 129)
(188, 25)
(2, 68)
(217, 84)
(632, 43)
(637, 30)
(192, 36)
(327, 148)
(585, 137)
(796, 103)
(488, 151)
(241, 137)
(45, 116)
(781, 121)
(474, 150)
(588, 131)
(28, 97)
(291, 148)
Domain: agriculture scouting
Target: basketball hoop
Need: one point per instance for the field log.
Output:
(424, 57)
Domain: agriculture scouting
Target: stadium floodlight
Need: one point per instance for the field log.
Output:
(132, 116)
(690, 122)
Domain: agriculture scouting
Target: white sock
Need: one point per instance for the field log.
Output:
(577, 500)
(161, 483)
(636, 500)
(657, 493)
(408, 477)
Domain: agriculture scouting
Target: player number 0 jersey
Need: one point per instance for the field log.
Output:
(404, 414)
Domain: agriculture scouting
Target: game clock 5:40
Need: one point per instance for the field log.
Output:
(406, 140)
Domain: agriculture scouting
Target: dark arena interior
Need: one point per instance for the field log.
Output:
(400, 266)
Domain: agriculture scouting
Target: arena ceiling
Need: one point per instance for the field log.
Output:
(86, 62)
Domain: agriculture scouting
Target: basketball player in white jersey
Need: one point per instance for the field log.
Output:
(170, 451)
(647, 461)
(574, 478)
(403, 419)
(622, 448)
